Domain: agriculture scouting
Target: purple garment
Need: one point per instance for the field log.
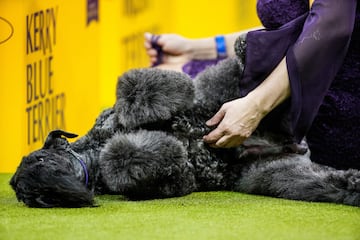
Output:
(323, 65)
(275, 13)
(193, 67)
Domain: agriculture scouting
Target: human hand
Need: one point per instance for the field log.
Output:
(175, 48)
(236, 121)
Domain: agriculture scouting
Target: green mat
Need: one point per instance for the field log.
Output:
(205, 215)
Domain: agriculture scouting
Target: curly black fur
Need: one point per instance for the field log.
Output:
(149, 145)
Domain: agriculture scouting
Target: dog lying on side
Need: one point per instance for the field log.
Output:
(149, 145)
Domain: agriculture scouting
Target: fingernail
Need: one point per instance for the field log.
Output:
(147, 35)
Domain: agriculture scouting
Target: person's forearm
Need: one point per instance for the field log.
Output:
(273, 90)
(205, 48)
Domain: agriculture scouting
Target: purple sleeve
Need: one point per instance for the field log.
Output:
(315, 45)
(315, 58)
(265, 49)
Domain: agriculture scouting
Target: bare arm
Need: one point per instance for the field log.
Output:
(179, 49)
(205, 48)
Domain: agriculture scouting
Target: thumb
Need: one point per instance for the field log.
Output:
(216, 119)
(147, 36)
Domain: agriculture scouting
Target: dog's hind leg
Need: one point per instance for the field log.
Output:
(296, 177)
(146, 165)
(151, 95)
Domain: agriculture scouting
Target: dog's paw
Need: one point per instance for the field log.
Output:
(146, 164)
(150, 95)
(352, 195)
(354, 181)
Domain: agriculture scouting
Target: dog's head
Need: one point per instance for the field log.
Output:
(54, 176)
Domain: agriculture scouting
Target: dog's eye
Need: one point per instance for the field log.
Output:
(41, 159)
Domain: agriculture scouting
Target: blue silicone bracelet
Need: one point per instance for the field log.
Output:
(220, 46)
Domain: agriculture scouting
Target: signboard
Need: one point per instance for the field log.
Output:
(60, 60)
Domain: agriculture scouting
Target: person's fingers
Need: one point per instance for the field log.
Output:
(228, 141)
(152, 52)
(161, 40)
(147, 45)
(214, 136)
(217, 133)
(216, 119)
(147, 42)
(223, 142)
(152, 39)
(148, 36)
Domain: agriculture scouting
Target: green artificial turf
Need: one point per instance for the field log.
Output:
(205, 215)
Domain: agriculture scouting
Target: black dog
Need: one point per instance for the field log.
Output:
(149, 145)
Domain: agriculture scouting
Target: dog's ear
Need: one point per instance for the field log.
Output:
(59, 133)
(53, 135)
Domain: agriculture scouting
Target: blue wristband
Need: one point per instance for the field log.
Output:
(220, 46)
